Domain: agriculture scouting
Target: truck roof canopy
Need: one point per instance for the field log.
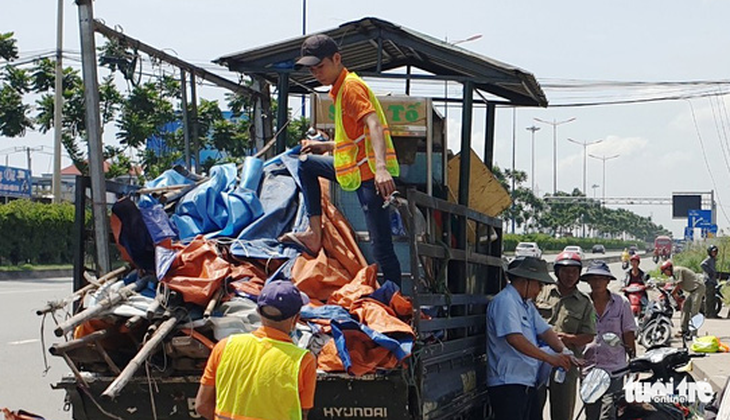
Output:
(372, 46)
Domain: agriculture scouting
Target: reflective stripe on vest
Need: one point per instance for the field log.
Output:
(258, 379)
(347, 167)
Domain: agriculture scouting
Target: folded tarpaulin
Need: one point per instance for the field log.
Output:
(131, 235)
(280, 199)
(158, 223)
(168, 178)
(217, 207)
(197, 271)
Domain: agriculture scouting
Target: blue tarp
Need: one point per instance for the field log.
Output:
(217, 207)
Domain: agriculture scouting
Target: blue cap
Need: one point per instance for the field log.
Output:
(598, 268)
(284, 296)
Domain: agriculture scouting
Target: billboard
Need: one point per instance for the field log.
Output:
(14, 182)
(681, 204)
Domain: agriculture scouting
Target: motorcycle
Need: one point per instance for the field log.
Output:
(636, 294)
(655, 327)
(722, 295)
(625, 260)
(665, 365)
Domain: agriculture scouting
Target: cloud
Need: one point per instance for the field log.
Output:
(615, 145)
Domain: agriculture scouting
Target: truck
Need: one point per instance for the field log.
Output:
(450, 249)
(662, 248)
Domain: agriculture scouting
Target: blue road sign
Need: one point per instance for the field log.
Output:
(699, 218)
(688, 233)
(14, 182)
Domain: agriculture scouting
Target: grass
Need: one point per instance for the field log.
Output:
(35, 267)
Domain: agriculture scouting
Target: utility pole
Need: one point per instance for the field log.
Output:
(604, 158)
(185, 117)
(555, 125)
(93, 131)
(533, 128)
(514, 150)
(304, 32)
(58, 107)
(585, 145)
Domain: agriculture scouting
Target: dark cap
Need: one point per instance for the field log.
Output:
(284, 296)
(315, 48)
(530, 268)
(598, 268)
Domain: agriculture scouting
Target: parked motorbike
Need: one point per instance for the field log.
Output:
(655, 326)
(625, 259)
(665, 365)
(722, 295)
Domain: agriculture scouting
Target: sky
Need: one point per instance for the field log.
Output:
(560, 42)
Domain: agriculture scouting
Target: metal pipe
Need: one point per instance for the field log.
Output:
(93, 131)
(282, 112)
(185, 117)
(194, 137)
(489, 135)
(465, 164)
(58, 107)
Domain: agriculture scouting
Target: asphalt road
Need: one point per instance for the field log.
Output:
(24, 384)
(21, 353)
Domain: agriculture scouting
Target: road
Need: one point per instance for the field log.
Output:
(550, 257)
(21, 355)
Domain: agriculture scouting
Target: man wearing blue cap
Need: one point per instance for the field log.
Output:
(513, 328)
(261, 375)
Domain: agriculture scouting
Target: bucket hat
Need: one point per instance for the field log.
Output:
(597, 268)
(530, 268)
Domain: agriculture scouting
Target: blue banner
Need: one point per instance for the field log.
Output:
(14, 182)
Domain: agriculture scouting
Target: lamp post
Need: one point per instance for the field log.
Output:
(532, 129)
(585, 145)
(594, 186)
(555, 125)
(604, 158)
(446, 82)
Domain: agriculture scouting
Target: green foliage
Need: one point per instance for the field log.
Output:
(549, 243)
(14, 120)
(693, 255)
(36, 233)
(8, 49)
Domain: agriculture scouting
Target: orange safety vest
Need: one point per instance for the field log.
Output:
(347, 167)
(258, 379)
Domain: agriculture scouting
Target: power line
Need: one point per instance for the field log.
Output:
(707, 163)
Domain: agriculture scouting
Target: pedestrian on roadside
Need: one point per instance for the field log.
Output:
(709, 268)
(571, 315)
(614, 315)
(363, 158)
(692, 284)
(262, 375)
(513, 329)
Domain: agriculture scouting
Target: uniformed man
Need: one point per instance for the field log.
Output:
(690, 283)
(573, 318)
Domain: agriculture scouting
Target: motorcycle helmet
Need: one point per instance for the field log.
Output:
(666, 265)
(635, 257)
(567, 258)
(710, 249)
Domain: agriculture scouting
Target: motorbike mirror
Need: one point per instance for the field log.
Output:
(696, 322)
(594, 385)
(612, 339)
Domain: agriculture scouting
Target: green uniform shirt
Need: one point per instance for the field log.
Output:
(687, 279)
(570, 314)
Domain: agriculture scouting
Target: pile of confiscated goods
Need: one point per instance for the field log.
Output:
(198, 252)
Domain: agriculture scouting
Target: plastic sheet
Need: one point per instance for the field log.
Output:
(251, 173)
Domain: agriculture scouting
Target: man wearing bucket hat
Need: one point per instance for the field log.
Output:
(513, 329)
(362, 157)
(614, 315)
(571, 315)
(262, 375)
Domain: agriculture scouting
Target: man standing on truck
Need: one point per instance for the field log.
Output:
(513, 328)
(262, 375)
(572, 316)
(363, 158)
(690, 283)
(709, 267)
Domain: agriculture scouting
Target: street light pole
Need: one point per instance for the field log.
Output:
(533, 128)
(585, 145)
(58, 107)
(594, 186)
(555, 125)
(604, 158)
(514, 149)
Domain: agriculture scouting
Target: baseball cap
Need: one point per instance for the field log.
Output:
(530, 268)
(315, 48)
(284, 296)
